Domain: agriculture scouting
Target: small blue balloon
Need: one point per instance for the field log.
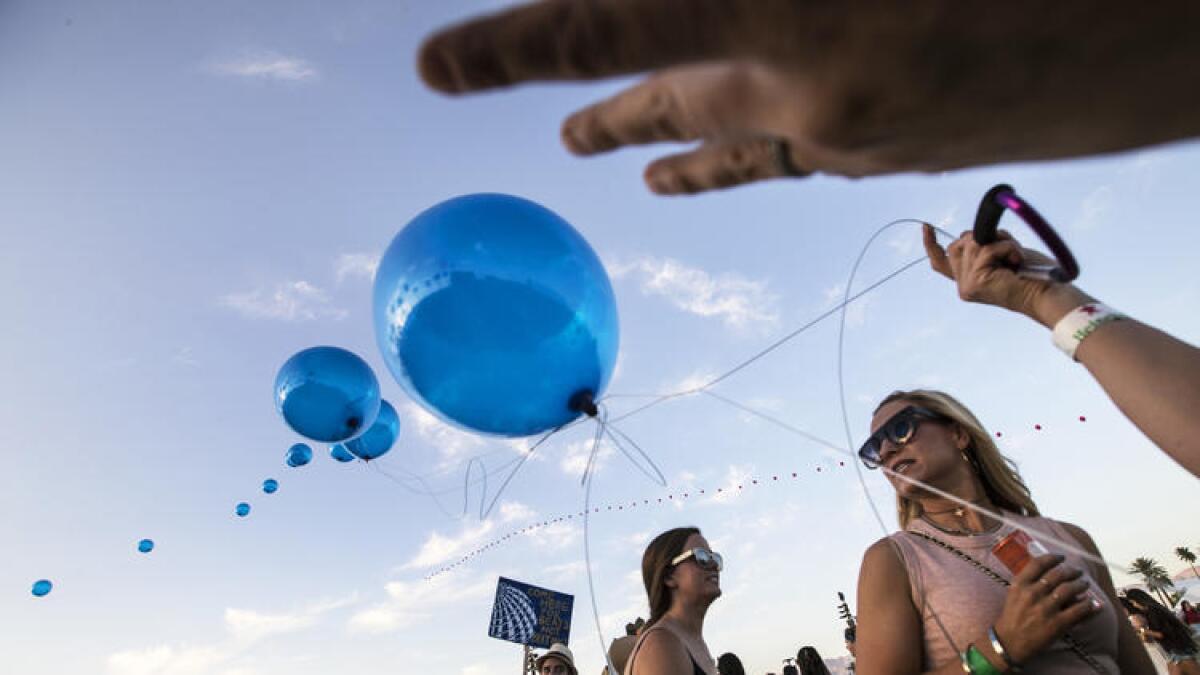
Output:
(376, 441)
(341, 454)
(495, 314)
(299, 455)
(270, 485)
(327, 394)
(145, 545)
(41, 587)
(243, 509)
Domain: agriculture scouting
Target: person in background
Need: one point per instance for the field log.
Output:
(1138, 621)
(851, 635)
(682, 575)
(557, 660)
(1162, 626)
(1188, 613)
(810, 662)
(729, 664)
(619, 650)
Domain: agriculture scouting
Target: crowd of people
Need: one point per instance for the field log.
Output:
(784, 89)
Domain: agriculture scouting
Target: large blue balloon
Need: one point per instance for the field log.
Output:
(270, 485)
(299, 455)
(145, 546)
(327, 394)
(42, 587)
(242, 510)
(495, 314)
(341, 454)
(376, 441)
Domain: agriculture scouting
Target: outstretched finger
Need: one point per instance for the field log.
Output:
(937, 255)
(721, 164)
(579, 40)
(685, 103)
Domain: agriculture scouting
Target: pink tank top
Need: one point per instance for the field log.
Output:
(967, 601)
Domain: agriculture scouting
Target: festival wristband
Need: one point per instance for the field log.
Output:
(998, 647)
(1081, 322)
(976, 663)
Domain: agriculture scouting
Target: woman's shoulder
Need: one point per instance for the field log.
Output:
(660, 650)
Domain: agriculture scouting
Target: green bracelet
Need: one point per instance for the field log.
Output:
(978, 663)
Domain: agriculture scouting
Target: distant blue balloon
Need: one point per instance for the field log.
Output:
(42, 587)
(376, 441)
(327, 394)
(270, 485)
(243, 510)
(145, 546)
(494, 313)
(341, 454)
(299, 455)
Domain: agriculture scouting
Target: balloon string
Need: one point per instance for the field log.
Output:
(587, 550)
(660, 398)
(612, 432)
(484, 513)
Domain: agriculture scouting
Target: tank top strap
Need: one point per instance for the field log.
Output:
(637, 647)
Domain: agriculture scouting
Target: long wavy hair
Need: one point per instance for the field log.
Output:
(1001, 481)
(1177, 637)
(656, 565)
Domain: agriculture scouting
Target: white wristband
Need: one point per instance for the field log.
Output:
(1080, 323)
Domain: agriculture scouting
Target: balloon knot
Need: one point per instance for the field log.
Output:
(583, 401)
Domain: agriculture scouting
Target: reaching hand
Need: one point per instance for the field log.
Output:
(788, 87)
(989, 273)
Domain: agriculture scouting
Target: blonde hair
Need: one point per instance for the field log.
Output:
(1001, 481)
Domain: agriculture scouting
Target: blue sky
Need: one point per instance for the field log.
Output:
(189, 193)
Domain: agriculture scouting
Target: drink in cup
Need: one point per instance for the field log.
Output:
(1018, 548)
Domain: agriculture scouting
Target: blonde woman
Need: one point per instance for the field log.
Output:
(933, 598)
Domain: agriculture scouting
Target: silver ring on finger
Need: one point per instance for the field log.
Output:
(781, 152)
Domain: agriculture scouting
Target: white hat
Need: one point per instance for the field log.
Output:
(558, 651)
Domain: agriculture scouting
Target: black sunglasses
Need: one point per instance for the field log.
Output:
(899, 429)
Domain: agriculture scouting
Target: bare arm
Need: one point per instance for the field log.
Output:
(1132, 658)
(1152, 377)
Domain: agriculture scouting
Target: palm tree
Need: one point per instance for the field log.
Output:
(1155, 577)
(1188, 557)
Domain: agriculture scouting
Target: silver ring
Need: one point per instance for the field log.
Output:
(782, 153)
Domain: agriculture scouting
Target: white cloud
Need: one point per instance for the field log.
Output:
(451, 443)
(735, 475)
(510, 511)
(439, 549)
(356, 266)
(412, 601)
(245, 627)
(575, 457)
(267, 66)
(735, 300)
(287, 301)
(168, 660)
(1095, 208)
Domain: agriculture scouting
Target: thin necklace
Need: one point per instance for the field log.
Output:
(963, 533)
(959, 511)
